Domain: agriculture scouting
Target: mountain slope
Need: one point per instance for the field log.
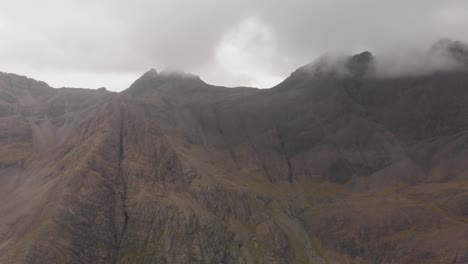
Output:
(323, 168)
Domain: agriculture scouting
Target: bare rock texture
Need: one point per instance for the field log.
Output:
(323, 168)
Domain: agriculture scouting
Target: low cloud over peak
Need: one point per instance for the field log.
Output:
(109, 43)
(444, 55)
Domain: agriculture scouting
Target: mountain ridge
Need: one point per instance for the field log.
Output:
(319, 169)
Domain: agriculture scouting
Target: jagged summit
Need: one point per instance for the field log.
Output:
(444, 56)
(153, 80)
(334, 66)
(451, 45)
(178, 74)
(167, 74)
(361, 64)
(340, 66)
(151, 73)
(455, 49)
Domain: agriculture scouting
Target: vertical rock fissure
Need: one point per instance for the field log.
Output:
(252, 144)
(259, 158)
(285, 154)
(223, 135)
(123, 194)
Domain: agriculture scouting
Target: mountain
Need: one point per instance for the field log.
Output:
(333, 165)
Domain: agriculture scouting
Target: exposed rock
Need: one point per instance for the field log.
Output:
(323, 168)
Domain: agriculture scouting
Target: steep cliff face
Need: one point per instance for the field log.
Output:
(324, 168)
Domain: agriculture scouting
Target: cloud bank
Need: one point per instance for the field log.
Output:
(110, 43)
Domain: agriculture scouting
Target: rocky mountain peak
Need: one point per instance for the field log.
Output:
(178, 74)
(456, 50)
(361, 64)
(333, 67)
(153, 80)
(151, 73)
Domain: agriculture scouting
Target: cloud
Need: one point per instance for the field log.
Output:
(226, 42)
(249, 53)
(415, 63)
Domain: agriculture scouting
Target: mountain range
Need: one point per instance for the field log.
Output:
(336, 164)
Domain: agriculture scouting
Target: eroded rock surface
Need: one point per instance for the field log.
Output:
(323, 168)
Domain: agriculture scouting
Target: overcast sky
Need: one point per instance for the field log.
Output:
(94, 43)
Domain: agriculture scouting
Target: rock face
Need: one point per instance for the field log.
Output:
(323, 168)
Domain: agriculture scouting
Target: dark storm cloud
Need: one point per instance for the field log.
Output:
(95, 43)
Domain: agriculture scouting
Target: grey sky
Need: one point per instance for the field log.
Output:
(93, 43)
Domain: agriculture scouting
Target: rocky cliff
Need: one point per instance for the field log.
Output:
(326, 167)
